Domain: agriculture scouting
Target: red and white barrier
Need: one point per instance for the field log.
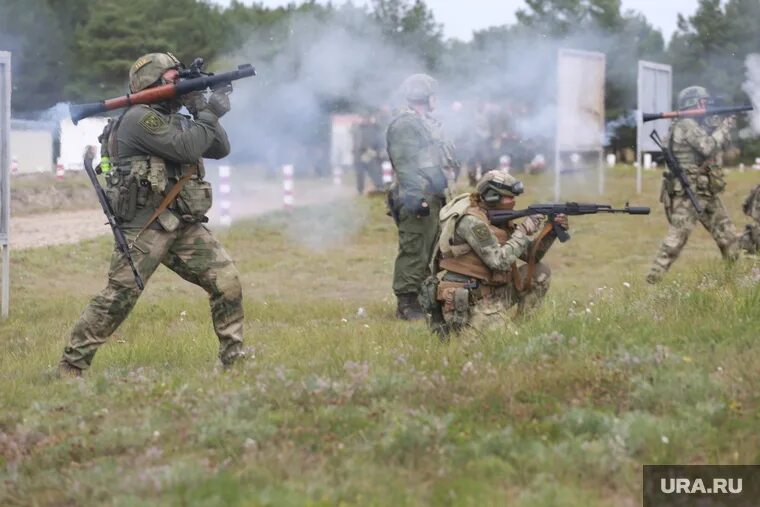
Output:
(387, 173)
(59, 172)
(337, 175)
(225, 204)
(505, 163)
(287, 186)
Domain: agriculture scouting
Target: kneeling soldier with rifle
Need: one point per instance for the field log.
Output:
(156, 201)
(476, 279)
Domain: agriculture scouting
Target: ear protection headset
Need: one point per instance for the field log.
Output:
(490, 196)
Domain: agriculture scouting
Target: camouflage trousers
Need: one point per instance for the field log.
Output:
(749, 241)
(491, 311)
(683, 218)
(194, 254)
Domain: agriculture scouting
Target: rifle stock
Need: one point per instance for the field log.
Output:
(161, 93)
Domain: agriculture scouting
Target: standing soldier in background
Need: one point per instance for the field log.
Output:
(697, 151)
(368, 151)
(422, 161)
(157, 192)
(749, 241)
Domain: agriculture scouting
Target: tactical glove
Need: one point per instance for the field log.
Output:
(219, 101)
(531, 225)
(194, 102)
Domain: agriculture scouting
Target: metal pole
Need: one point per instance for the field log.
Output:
(5, 188)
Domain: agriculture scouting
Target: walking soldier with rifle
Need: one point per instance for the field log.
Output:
(694, 180)
(156, 200)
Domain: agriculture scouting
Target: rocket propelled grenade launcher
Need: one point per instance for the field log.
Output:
(501, 217)
(696, 113)
(191, 80)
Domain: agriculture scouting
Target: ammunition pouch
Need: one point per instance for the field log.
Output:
(122, 196)
(454, 297)
(194, 200)
(710, 180)
(428, 294)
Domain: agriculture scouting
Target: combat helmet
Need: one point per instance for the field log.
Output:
(689, 97)
(148, 69)
(419, 87)
(497, 183)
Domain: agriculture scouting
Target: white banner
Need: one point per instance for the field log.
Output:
(580, 114)
(580, 100)
(75, 138)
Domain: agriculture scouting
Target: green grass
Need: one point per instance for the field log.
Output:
(342, 409)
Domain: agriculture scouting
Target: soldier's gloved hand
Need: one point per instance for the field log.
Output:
(729, 123)
(423, 210)
(219, 101)
(531, 225)
(562, 220)
(194, 102)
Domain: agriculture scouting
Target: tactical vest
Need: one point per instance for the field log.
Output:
(140, 182)
(460, 258)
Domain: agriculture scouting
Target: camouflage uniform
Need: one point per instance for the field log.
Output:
(477, 277)
(749, 241)
(150, 147)
(697, 151)
(420, 157)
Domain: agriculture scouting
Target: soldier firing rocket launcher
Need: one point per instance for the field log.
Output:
(501, 217)
(191, 79)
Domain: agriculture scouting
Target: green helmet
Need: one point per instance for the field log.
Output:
(495, 184)
(148, 69)
(419, 87)
(690, 97)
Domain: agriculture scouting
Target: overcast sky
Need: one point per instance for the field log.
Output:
(461, 17)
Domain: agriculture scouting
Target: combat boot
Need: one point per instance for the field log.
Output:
(654, 277)
(66, 370)
(408, 307)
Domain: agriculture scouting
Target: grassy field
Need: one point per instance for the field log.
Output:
(343, 405)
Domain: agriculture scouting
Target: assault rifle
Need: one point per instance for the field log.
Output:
(676, 171)
(191, 79)
(501, 217)
(118, 234)
(696, 113)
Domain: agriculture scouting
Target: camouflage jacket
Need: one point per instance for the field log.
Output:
(167, 145)
(474, 240)
(693, 146)
(419, 154)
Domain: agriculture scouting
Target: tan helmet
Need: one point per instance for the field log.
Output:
(689, 97)
(419, 87)
(497, 183)
(148, 69)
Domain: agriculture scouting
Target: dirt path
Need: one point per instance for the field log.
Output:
(247, 200)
